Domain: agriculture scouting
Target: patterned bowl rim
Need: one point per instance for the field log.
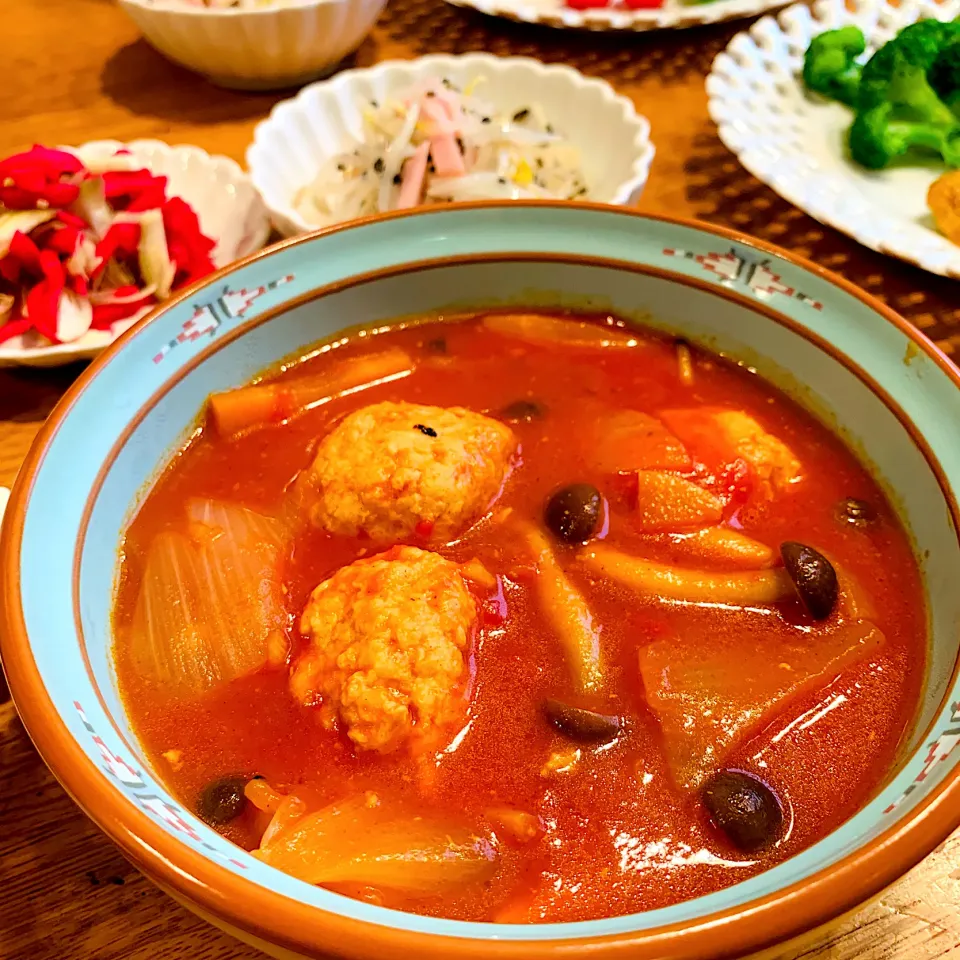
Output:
(276, 919)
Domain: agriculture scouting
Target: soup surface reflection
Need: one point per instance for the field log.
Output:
(518, 618)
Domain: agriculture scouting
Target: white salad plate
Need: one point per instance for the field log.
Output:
(230, 212)
(326, 118)
(795, 142)
(674, 14)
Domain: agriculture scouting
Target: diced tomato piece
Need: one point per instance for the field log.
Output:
(643, 4)
(587, 4)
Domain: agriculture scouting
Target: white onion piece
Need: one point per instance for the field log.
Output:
(74, 316)
(351, 842)
(210, 608)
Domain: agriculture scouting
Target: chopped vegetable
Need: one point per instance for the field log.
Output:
(666, 501)
(663, 582)
(897, 108)
(684, 363)
(562, 760)
(210, 608)
(353, 842)
(517, 824)
(568, 614)
(629, 440)
(716, 435)
(830, 65)
(540, 328)
(723, 545)
(712, 693)
(435, 144)
(89, 247)
(270, 403)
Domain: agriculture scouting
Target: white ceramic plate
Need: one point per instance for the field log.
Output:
(795, 143)
(230, 211)
(325, 119)
(672, 15)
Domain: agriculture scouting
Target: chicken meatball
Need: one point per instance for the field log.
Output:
(387, 637)
(402, 471)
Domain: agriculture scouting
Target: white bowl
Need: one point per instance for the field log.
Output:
(230, 211)
(266, 48)
(325, 118)
(796, 143)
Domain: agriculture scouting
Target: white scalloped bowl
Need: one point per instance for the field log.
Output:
(325, 118)
(229, 208)
(796, 143)
(266, 48)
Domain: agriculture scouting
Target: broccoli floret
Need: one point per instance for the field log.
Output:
(877, 137)
(897, 73)
(897, 108)
(944, 76)
(830, 64)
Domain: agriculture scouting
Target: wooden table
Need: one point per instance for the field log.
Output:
(75, 70)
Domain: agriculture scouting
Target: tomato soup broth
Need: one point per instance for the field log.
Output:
(588, 826)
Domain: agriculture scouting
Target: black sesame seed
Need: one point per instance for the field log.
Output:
(521, 115)
(446, 82)
(501, 179)
(539, 163)
(374, 104)
(426, 431)
(460, 144)
(431, 167)
(341, 167)
(397, 178)
(580, 192)
(378, 165)
(484, 119)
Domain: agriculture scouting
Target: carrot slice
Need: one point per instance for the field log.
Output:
(262, 404)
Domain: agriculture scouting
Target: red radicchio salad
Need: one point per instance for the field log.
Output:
(89, 241)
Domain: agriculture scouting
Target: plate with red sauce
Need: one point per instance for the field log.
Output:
(551, 594)
(626, 15)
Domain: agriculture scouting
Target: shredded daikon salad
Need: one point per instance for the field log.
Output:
(434, 143)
